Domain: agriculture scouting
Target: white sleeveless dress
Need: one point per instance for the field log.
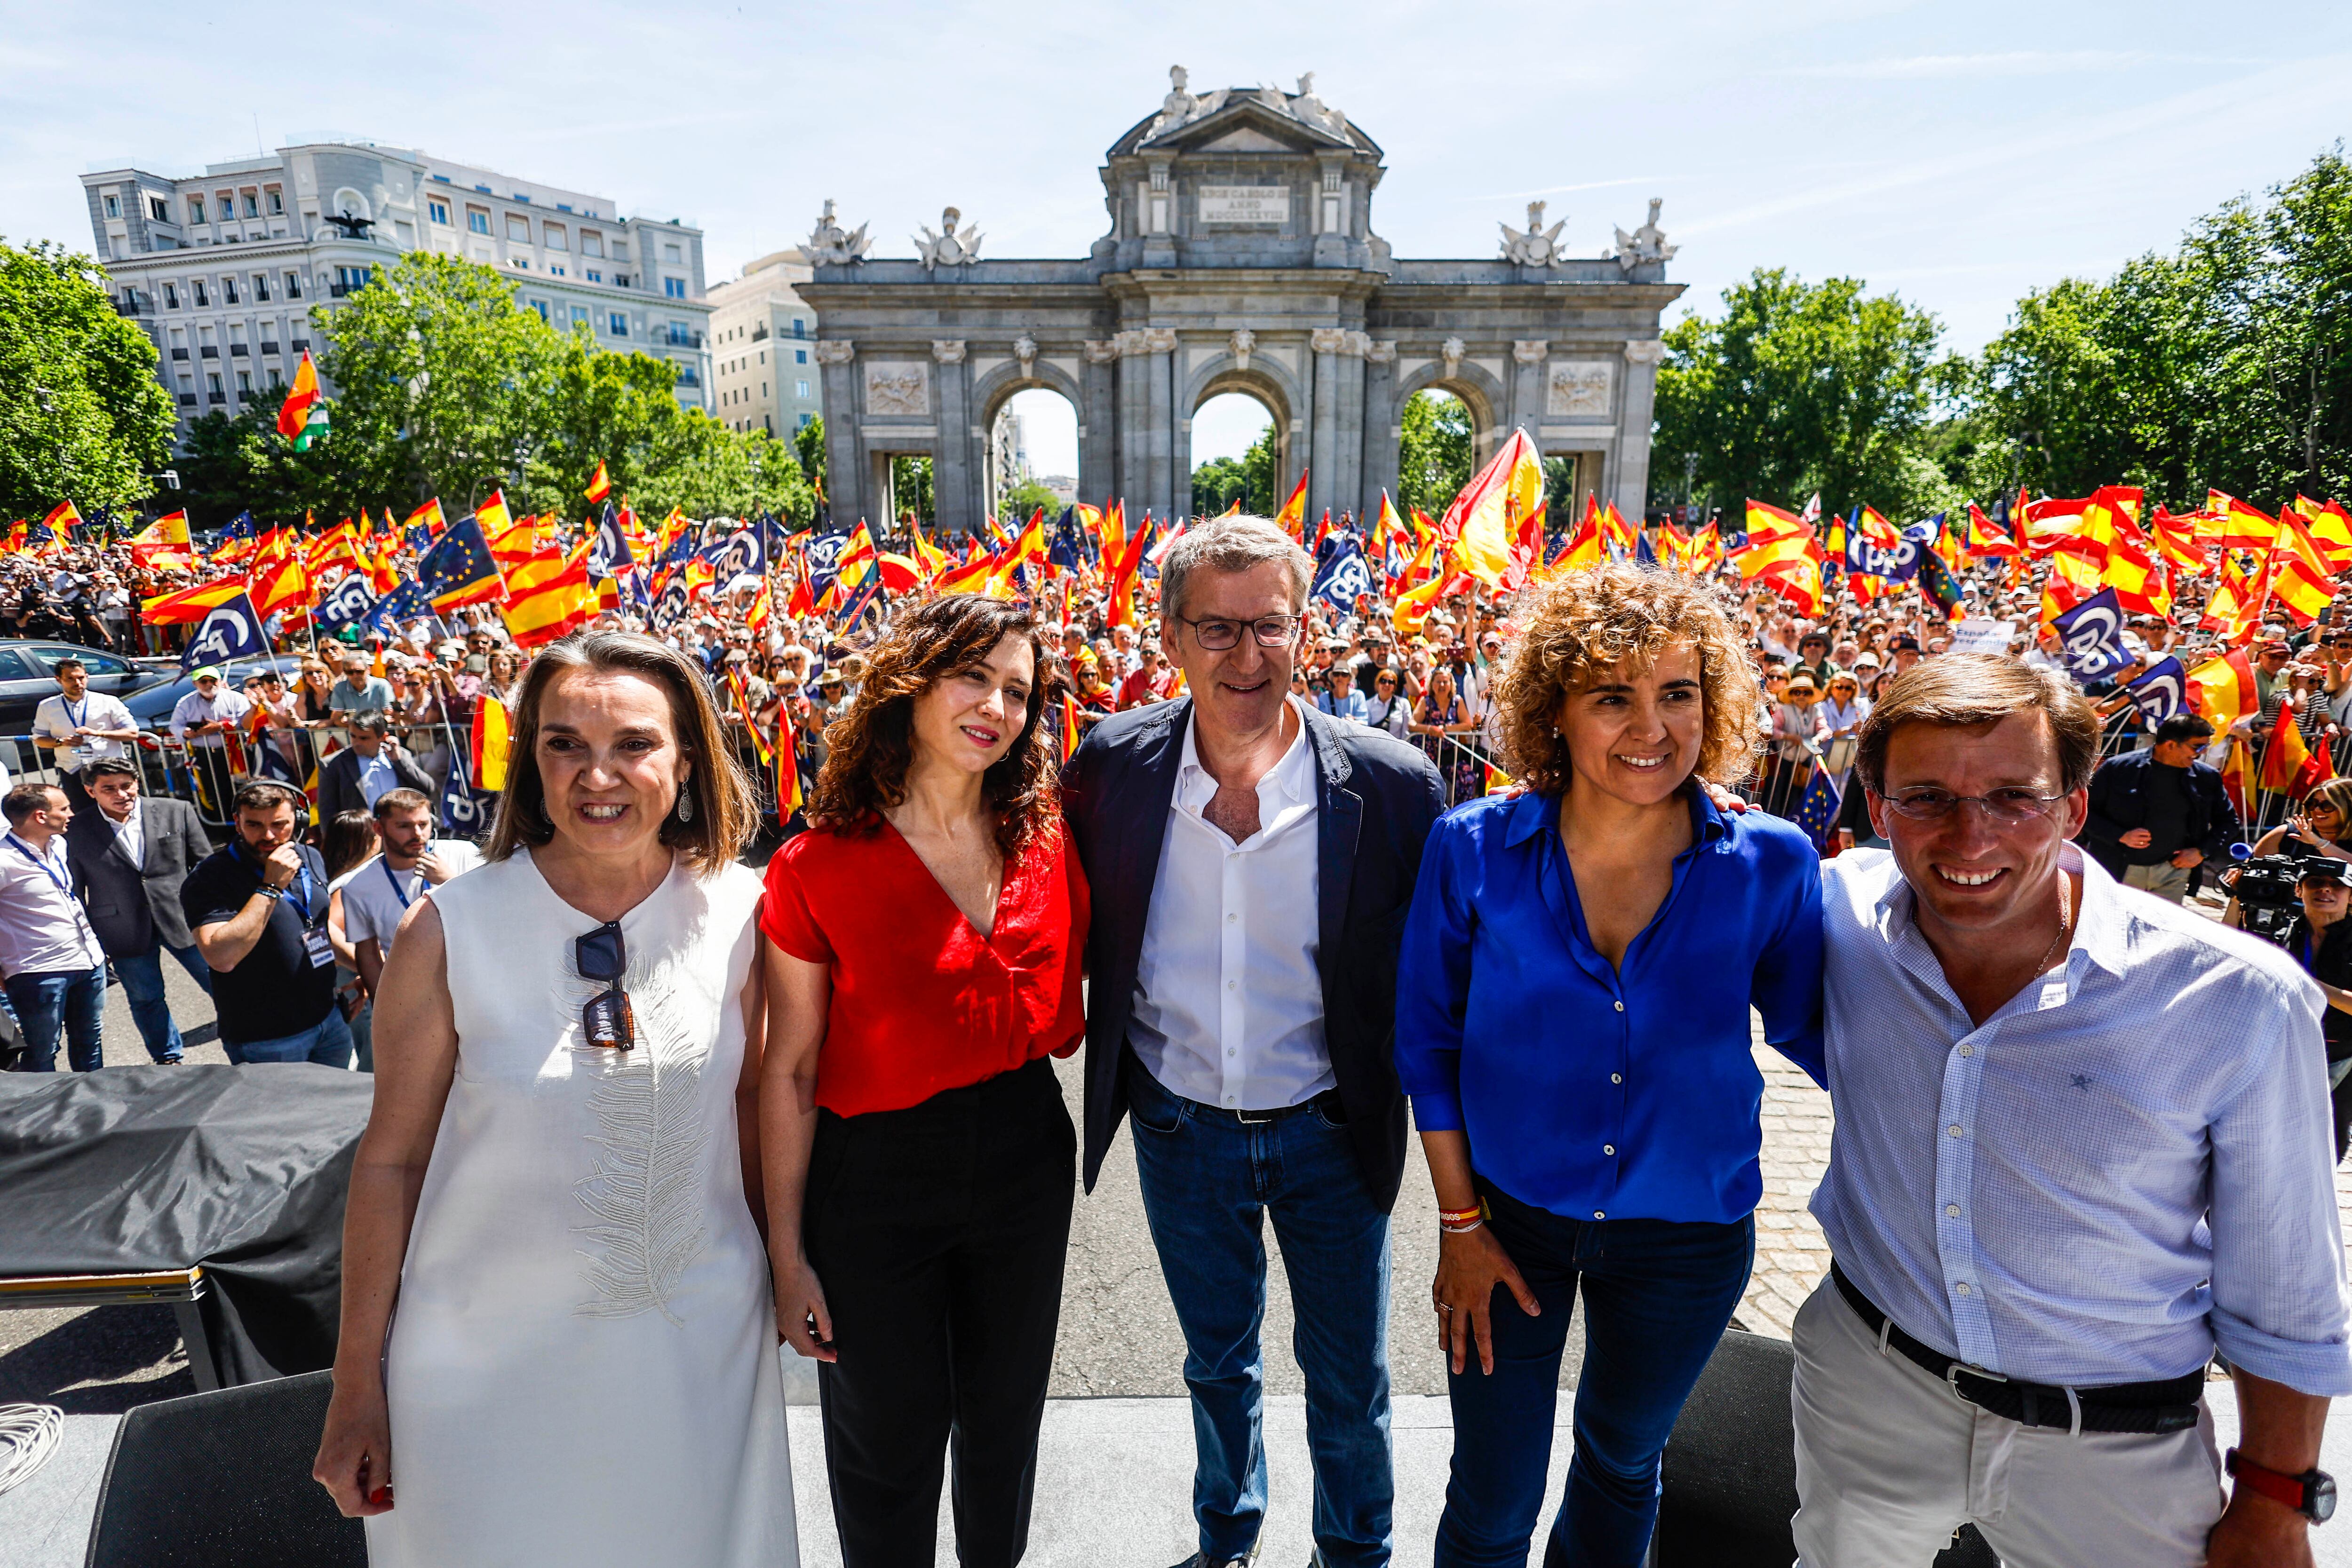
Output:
(581, 1368)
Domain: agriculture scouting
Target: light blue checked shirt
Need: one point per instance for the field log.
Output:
(2126, 1165)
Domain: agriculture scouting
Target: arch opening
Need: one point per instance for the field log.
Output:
(1033, 453)
(1237, 454)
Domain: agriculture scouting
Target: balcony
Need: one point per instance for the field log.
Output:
(688, 376)
(267, 347)
(208, 352)
(682, 337)
(338, 291)
(760, 333)
(217, 398)
(128, 305)
(800, 329)
(187, 400)
(237, 350)
(301, 345)
(180, 354)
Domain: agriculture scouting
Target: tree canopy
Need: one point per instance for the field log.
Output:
(1434, 453)
(82, 417)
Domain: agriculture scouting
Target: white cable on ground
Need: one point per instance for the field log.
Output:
(28, 1436)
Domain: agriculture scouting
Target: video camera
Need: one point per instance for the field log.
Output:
(2264, 887)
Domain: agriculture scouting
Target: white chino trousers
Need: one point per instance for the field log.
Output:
(1890, 1462)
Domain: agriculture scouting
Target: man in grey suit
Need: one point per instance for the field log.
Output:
(129, 858)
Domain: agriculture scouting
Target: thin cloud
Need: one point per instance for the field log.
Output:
(1563, 190)
(2012, 62)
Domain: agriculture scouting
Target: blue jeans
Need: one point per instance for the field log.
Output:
(73, 1004)
(141, 976)
(1208, 1182)
(328, 1041)
(1657, 1297)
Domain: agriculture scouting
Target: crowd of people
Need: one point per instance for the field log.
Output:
(1509, 869)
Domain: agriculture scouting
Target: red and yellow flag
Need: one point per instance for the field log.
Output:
(189, 606)
(602, 484)
(164, 543)
(1483, 521)
(295, 412)
(1292, 518)
(547, 595)
(491, 740)
(429, 515)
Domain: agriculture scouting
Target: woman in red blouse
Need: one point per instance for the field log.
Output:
(924, 942)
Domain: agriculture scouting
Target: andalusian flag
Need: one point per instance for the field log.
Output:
(302, 418)
(602, 484)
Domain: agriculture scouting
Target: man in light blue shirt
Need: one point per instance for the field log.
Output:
(2083, 1141)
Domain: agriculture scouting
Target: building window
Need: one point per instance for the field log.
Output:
(114, 206)
(619, 326)
(437, 211)
(541, 306)
(522, 262)
(801, 388)
(674, 286)
(670, 253)
(620, 279)
(800, 356)
(518, 229)
(579, 315)
(277, 202)
(244, 384)
(804, 421)
(620, 248)
(555, 237)
(478, 221)
(213, 383)
(197, 287)
(557, 270)
(595, 276)
(293, 285)
(800, 328)
(261, 287)
(171, 296)
(252, 205)
(195, 210)
(157, 210)
(228, 291)
(590, 243)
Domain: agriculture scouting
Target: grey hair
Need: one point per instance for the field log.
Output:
(1235, 542)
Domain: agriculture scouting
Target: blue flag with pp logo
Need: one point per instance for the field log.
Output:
(2091, 636)
(346, 603)
(1342, 574)
(466, 812)
(232, 630)
(2160, 692)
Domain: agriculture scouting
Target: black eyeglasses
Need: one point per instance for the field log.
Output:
(1216, 636)
(607, 1021)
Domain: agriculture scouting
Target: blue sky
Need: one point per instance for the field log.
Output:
(1957, 154)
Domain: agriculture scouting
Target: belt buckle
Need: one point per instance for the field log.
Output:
(1251, 1117)
(1952, 1371)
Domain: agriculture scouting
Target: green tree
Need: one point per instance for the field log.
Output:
(82, 417)
(614, 407)
(1433, 452)
(1014, 509)
(910, 489)
(808, 445)
(440, 381)
(1800, 387)
(229, 464)
(1216, 483)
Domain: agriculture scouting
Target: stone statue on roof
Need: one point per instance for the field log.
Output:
(1538, 246)
(1645, 244)
(828, 246)
(948, 248)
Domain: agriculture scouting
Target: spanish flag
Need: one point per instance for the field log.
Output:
(1585, 546)
(2301, 578)
(491, 741)
(548, 595)
(602, 484)
(189, 606)
(294, 415)
(61, 520)
(164, 542)
(279, 580)
(429, 517)
(2243, 527)
(1483, 519)
(1292, 518)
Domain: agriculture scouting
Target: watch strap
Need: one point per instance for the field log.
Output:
(2292, 1490)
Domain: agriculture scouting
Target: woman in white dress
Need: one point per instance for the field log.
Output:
(582, 1369)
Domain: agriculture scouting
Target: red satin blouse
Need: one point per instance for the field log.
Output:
(921, 1001)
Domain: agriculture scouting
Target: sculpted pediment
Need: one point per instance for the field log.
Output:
(1245, 139)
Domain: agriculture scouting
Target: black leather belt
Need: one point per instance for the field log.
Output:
(2167, 1406)
(1328, 1101)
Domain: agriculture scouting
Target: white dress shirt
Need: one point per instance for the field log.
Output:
(1228, 996)
(2125, 1167)
(58, 719)
(42, 928)
(132, 834)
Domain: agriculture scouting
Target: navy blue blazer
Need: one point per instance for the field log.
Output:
(1376, 800)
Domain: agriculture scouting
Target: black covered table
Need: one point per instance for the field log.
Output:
(239, 1172)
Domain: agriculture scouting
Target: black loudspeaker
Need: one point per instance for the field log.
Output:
(1729, 1479)
(224, 1479)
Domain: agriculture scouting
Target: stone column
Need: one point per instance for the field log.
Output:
(1528, 386)
(844, 455)
(1380, 439)
(1323, 441)
(1631, 478)
(1134, 420)
(1354, 417)
(956, 499)
(1162, 459)
(1098, 423)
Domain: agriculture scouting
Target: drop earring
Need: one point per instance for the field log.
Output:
(685, 804)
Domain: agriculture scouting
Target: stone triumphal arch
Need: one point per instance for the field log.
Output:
(1241, 258)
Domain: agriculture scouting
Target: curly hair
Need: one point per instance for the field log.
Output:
(1581, 626)
(868, 749)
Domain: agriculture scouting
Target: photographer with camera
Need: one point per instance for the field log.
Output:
(2321, 941)
(2156, 815)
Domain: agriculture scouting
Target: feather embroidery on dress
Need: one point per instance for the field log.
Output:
(646, 1193)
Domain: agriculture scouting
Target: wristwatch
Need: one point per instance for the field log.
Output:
(2311, 1494)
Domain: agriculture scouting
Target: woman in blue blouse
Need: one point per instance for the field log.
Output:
(1572, 1026)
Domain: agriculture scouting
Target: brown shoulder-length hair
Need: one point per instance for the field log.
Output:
(1581, 626)
(725, 811)
(868, 749)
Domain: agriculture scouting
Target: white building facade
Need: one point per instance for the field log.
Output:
(763, 373)
(223, 270)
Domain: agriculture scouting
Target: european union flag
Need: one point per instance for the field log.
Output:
(861, 599)
(1817, 812)
(241, 526)
(458, 562)
(1935, 581)
(405, 603)
(1065, 550)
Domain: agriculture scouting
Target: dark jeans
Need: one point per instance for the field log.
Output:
(1657, 1297)
(70, 1003)
(1208, 1183)
(327, 1043)
(141, 975)
(939, 1234)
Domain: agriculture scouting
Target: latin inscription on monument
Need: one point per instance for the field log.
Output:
(1245, 206)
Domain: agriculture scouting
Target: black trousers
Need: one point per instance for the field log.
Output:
(937, 1234)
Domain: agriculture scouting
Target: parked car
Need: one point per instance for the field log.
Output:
(27, 676)
(152, 706)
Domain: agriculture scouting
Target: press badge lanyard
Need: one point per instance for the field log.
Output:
(47, 870)
(301, 902)
(391, 876)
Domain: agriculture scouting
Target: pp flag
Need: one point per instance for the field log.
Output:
(344, 605)
(2161, 692)
(609, 551)
(465, 810)
(2092, 633)
(232, 630)
(1343, 575)
(742, 555)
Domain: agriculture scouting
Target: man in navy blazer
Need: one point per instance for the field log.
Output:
(130, 854)
(1251, 862)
